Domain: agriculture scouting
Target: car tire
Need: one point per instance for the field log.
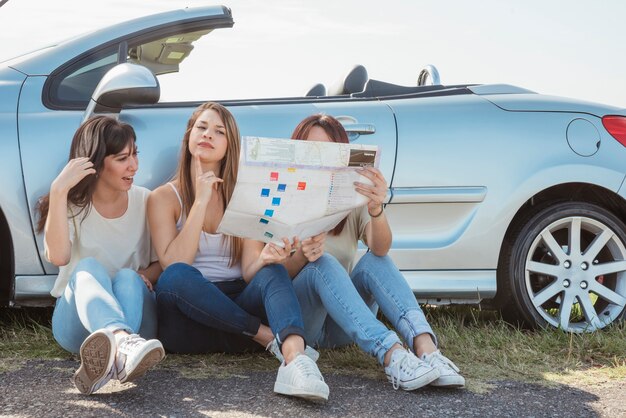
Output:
(563, 265)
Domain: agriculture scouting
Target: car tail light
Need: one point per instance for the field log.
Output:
(616, 126)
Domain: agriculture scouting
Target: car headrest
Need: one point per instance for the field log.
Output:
(353, 82)
(317, 90)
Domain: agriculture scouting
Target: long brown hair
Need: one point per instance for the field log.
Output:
(335, 132)
(96, 139)
(228, 168)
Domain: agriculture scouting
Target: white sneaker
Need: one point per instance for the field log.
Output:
(272, 347)
(97, 354)
(301, 378)
(135, 355)
(448, 371)
(407, 372)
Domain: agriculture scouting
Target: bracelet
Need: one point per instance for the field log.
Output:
(382, 209)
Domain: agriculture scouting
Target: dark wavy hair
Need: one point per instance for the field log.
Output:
(335, 131)
(96, 139)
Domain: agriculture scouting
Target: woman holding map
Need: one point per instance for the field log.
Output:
(216, 289)
(339, 300)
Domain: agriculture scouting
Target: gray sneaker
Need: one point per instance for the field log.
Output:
(448, 371)
(301, 378)
(407, 372)
(97, 354)
(272, 347)
(135, 356)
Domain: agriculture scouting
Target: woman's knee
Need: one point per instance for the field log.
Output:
(369, 258)
(326, 262)
(129, 281)
(88, 268)
(327, 268)
(272, 274)
(174, 275)
(128, 276)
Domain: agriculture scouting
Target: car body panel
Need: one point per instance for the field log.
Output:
(12, 194)
(622, 189)
(545, 103)
(444, 231)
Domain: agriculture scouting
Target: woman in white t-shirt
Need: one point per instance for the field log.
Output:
(96, 231)
(339, 301)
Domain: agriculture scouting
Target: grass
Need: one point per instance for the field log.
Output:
(485, 347)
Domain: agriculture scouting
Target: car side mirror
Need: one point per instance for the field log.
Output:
(123, 85)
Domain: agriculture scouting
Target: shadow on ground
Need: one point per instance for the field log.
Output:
(43, 388)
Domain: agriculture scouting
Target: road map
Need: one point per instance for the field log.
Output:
(288, 188)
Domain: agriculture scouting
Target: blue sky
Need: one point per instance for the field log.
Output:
(567, 48)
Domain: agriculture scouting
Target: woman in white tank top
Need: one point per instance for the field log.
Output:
(96, 232)
(216, 292)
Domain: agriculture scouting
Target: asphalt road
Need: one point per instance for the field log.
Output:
(39, 388)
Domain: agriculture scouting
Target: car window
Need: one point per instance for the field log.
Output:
(241, 63)
(191, 66)
(74, 85)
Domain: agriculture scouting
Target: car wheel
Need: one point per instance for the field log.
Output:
(565, 266)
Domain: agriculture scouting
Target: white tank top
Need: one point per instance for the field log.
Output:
(213, 253)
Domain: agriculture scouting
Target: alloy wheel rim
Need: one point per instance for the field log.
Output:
(575, 274)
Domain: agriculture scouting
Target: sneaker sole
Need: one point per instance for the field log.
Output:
(96, 359)
(419, 382)
(449, 382)
(289, 390)
(150, 359)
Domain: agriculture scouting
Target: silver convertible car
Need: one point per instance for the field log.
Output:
(497, 195)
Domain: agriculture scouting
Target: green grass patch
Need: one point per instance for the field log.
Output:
(486, 348)
(26, 334)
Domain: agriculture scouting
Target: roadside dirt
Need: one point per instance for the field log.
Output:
(39, 388)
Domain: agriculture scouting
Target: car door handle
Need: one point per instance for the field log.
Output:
(360, 128)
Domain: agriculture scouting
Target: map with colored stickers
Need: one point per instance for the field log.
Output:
(288, 188)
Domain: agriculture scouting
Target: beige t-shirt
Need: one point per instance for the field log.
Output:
(343, 246)
(118, 243)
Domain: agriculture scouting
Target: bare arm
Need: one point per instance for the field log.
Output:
(170, 245)
(256, 255)
(377, 231)
(58, 247)
(152, 272)
(308, 251)
(378, 235)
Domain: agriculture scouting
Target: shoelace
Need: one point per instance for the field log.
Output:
(307, 367)
(407, 362)
(129, 343)
(272, 347)
(111, 375)
(438, 358)
(126, 346)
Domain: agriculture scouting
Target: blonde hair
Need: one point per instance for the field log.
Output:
(227, 171)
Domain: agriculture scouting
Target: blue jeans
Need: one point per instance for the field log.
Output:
(197, 315)
(341, 309)
(92, 300)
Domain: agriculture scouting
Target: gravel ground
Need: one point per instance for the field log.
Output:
(42, 388)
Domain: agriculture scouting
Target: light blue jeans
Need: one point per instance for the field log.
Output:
(339, 309)
(92, 300)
